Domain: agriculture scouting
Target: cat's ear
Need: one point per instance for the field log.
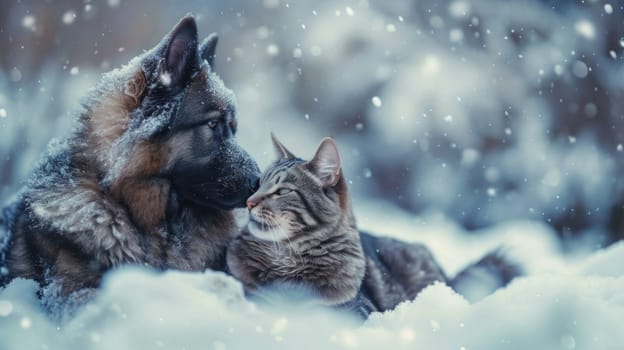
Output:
(326, 163)
(280, 150)
(180, 55)
(207, 49)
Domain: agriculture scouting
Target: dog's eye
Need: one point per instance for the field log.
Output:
(212, 124)
(283, 191)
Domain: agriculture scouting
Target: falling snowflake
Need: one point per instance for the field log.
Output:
(165, 78)
(29, 22)
(272, 50)
(585, 28)
(25, 323)
(456, 35)
(376, 101)
(69, 17)
(579, 68)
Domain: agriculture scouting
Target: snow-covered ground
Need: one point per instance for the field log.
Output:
(562, 303)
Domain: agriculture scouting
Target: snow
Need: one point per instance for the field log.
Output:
(376, 101)
(585, 28)
(69, 17)
(459, 9)
(272, 50)
(503, 116)
(456, 35)
(563, 303)
(29, 22)
(579, 68)
(297, 52)
(5, 308)
(608, 9)
(165, 78)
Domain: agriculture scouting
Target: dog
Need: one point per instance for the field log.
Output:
(149, 176)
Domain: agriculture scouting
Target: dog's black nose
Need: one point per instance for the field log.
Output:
(253, 183)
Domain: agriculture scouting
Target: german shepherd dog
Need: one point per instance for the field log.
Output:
(149, 176)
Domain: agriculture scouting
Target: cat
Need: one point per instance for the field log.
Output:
(301, 232)
(302, 237)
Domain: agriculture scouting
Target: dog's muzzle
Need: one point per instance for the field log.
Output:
(223, 181)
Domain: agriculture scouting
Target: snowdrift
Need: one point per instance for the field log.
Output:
(563, 303)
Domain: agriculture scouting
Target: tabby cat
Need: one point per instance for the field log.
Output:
(302, 235)
(301, 231)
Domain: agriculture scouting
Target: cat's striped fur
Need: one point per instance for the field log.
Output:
(302, 231)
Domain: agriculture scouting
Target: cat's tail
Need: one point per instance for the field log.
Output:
(485, 276)
(4, 240)
(6, 215)
(4, 234)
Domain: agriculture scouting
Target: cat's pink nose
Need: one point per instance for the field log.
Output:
(254, 200)
(251, 204)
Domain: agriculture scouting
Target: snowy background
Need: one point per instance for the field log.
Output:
(465, 124)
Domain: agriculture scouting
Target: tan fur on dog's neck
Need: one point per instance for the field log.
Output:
(144, 195)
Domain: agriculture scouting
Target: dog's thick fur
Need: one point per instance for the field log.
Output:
(149, 176)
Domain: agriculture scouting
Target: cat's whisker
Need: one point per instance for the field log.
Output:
(291, 246)
(268, 228)
(273, 234)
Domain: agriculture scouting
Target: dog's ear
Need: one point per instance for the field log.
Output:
(326, 163)
(180, 56)
(208, 47)
(134, 89)
(281, 151)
